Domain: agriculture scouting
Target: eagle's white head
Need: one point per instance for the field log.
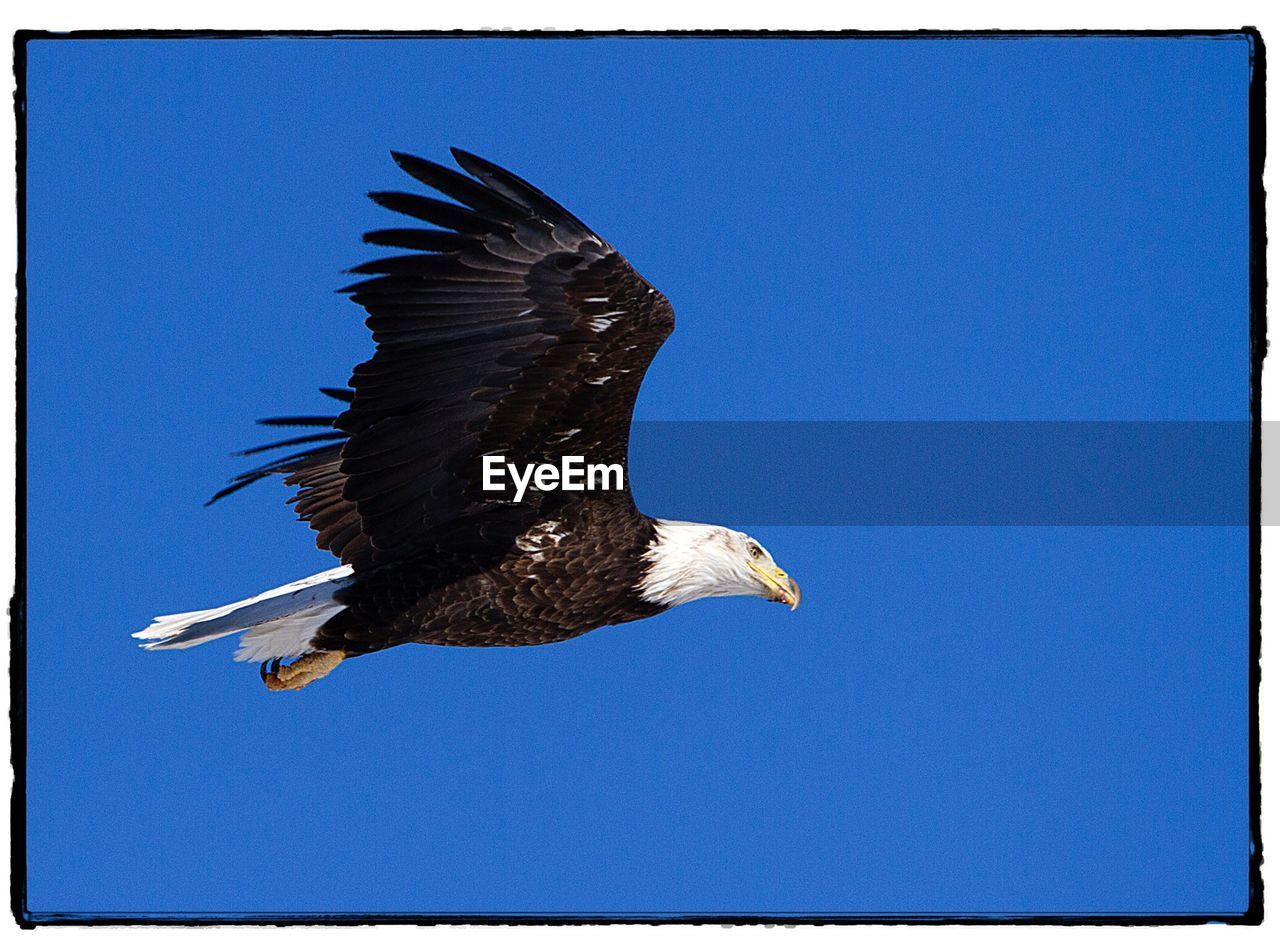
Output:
(690, 560)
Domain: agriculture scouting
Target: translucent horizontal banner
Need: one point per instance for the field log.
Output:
(932, 473)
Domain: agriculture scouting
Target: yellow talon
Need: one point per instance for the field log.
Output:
(305, 670)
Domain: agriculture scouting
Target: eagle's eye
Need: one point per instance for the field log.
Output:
(755, 550)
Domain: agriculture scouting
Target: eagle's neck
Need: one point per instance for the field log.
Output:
(681, 564)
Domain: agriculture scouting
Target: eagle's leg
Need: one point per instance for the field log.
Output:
(306, 669)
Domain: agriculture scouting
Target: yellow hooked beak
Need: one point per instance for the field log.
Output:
(782, 586)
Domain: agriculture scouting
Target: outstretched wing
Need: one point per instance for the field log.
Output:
(509, 329)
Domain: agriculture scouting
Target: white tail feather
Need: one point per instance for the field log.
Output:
(280, 622)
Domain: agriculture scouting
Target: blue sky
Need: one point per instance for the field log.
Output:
(957, 719)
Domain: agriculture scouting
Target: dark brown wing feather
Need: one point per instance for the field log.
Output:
(511, 329)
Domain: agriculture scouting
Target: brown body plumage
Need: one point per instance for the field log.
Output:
(577, 570)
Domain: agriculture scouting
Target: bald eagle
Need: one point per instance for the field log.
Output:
(508, 329)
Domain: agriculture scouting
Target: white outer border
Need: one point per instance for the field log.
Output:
(657, 15)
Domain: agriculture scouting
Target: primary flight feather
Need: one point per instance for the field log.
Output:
(506, 329)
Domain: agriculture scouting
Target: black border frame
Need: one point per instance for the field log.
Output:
(1252, 916)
